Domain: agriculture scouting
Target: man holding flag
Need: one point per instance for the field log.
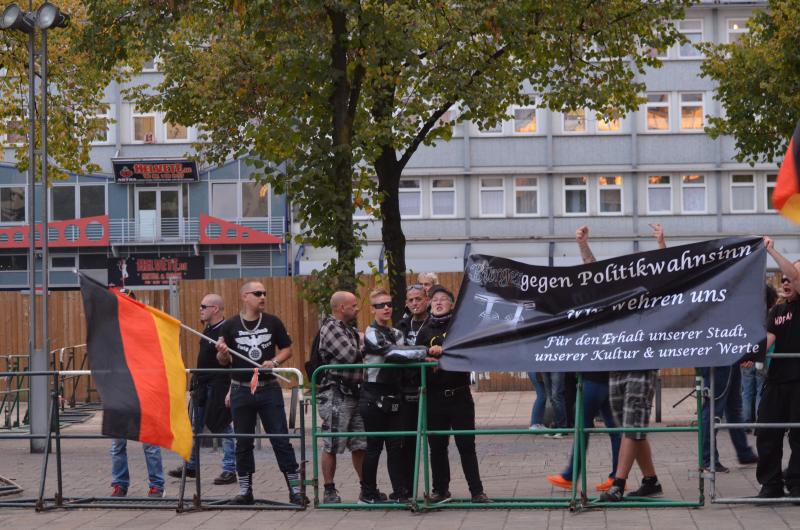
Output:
(262, 337)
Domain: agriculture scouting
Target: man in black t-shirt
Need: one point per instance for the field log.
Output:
(263, 339)
(208, 393)
(780, 399)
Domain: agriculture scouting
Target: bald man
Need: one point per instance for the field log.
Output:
(208, 393)
(339, 390)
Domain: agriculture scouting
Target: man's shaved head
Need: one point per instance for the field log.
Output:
(215, 300)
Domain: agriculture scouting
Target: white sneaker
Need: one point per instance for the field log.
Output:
(536, 427)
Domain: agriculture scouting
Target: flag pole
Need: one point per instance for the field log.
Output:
(230, 350)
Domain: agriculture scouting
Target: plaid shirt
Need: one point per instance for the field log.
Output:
(340, 344)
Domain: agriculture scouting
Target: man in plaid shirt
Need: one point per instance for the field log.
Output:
(339, 343)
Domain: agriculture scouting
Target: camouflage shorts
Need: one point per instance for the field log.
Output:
(339, 413)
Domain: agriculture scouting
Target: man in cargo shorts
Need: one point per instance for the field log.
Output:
(631, 398)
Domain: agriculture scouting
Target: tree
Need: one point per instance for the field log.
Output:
(76, 84)
(358, 86)
(758, 84)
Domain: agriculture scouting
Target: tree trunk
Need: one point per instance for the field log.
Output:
(388, 171)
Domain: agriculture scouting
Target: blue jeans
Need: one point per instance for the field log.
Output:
(752, 383)
(554, 386)
(727, 403)
(119, 464)
(266, 404)
(537, 412)
(595, 399)
(228, 447)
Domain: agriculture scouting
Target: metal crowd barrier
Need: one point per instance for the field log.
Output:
(55, 436)
(578, 500)
(714, 426)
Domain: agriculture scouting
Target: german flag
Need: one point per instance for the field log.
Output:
(137, 366)
(786, 197)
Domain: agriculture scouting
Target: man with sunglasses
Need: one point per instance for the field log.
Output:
(208, 393)
(780, 398)
(262, 337)
(339, 343)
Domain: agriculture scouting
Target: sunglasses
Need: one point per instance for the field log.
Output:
(382, 305)
(415, 286)
(206, 306)
(786, 280)
(258, 294)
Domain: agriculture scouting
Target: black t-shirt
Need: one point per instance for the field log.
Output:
(784, 323)
(255, 340)
(207, 356)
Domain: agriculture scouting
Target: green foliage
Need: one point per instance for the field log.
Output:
(758, 82)
(76, 83)
(329, 93)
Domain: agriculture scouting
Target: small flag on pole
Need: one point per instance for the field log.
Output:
(137, 366)
(786, 197)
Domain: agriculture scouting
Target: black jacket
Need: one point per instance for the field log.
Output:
(433, 334)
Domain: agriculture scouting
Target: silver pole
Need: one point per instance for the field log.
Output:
(38, 398)
(45, 212)
(712, 440)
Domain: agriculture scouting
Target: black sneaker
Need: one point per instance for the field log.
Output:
(612, 494)
(299, 499)
(481, 498)
(331, 496)
(382, 496)
(178, 472)
(771, 491)
(719, 468)
(226, 477)
(439, 497)
(649, 488)
(243, 500)
(399, 496)
(369, 498)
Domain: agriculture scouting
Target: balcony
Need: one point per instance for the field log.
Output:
(183, 230)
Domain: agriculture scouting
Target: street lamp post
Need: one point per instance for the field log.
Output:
(46, 17)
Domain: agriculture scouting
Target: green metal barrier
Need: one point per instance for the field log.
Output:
(578, 500)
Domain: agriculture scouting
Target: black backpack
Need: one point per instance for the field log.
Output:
(314, 360)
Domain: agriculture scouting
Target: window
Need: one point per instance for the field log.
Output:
(144, 128)
(608, 126)
(176, 133)
(255, 199)
(575, 190)
(486, 129)
(76, 202)
(771, 180)
(224, 260)
(224, 203)
(410, 198)
(92, 201)
(692, 111)
(443, 198)
(526, 196)
(492, 197)
(18, 262)
(101, 121)
(658, 112)
(656, 53)
(63, 262)
(743, 193)
(12, 204)
(525, 121)
(659, 194)
(93, 261)
(609, 191)
(692, 29)
(151, 65)
(63, 203)
(575, 121)
(736, 28)
(693, 193)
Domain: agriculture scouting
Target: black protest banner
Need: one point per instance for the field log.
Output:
(693, 305)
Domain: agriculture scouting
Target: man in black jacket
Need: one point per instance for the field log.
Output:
(209, 391)
(450, 406)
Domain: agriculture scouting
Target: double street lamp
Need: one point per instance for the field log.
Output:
(46, 17)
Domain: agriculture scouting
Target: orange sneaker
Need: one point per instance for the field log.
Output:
(559, 482)
(605, 485)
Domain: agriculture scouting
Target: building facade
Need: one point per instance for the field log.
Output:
(521, 189)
